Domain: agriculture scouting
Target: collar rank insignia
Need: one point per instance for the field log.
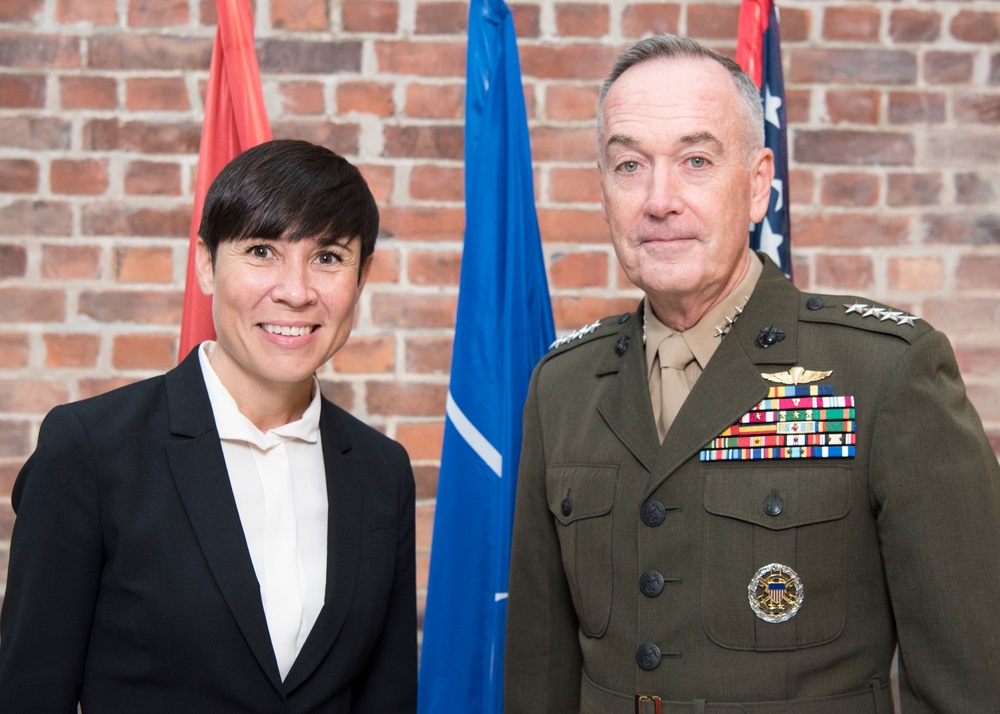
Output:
(775, 593)
(585, 330)
(883, 314)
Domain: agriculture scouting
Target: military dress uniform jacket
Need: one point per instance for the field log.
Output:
(631, 560)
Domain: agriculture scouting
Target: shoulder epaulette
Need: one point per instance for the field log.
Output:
(863, 314)
(599, 328)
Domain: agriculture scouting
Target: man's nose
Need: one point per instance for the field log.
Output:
(664, 195)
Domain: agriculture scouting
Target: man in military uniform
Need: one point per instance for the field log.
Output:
(742, 498)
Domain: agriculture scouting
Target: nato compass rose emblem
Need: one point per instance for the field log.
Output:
(775, 593)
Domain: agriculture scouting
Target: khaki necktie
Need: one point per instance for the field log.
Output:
(674, 355)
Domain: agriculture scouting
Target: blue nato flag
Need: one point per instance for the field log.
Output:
(503, 327)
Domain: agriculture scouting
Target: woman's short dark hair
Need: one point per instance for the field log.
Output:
(290, 190)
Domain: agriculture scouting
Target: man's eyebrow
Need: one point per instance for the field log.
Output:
(620, 140)
(704, 137)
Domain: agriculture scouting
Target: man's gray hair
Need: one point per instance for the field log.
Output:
(676, 47)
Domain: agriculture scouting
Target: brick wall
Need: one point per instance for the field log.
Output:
(894, 109)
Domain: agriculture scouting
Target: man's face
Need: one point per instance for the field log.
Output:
(677, 192)
(281, 309)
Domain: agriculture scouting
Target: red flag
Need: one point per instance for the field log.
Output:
(235, 120)
(754, 17)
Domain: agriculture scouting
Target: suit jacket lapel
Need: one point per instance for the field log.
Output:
(199, 471)
(345, 498)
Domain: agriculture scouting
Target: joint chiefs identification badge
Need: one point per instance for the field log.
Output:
(775, 593)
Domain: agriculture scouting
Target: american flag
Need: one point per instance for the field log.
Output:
(758, 52)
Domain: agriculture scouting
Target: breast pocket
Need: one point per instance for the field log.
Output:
(790, 516)
(581, 499)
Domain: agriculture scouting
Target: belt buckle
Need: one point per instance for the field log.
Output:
(641, 699)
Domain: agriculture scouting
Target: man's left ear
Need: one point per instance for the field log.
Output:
(204, 267)
(761, 175)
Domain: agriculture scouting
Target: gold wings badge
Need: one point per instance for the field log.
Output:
(796, 375)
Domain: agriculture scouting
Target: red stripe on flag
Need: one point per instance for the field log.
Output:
(235, 120)
(754, 18)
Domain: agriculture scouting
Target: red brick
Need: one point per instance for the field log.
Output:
(962, 315)
(570, 102)
(983, 229)
(46, 218)
(24, 91)
(907, 25)
(922, 189)
(713, 21)
(13, 261)
(570, 312)
(13, 350)
(340, 393)
(653, 18)
(953, 149)
(576, 62)
(801, 186)
(437, 183)
(133, 52)
(426, 480)
(424, 223)
(83, 177)
(299, 15)
(442, 18)
(366, 355)
(385, 268)
(427, 59)
(152, 178)
(550, 143)
(428, 355)
(96, 12)
(858, 106)
(142, 137)
(978, 108)
(844, 272)
(88, 92)
(995, 69)
(849, 230)
(415, 311)
(971, 26)
(435, 267)
(379, 179)
(370, 16)
(71, 350)
(157, 13)
(527, 20)
(35, 133)
(978, 272)
(849, 189)
(422, 439)
(797, 103)
(22, 11)
(16, 439)
(366, 97)
(582, 19)
(301, 97)
(144, 351)
(916, 107)
(869, 148)
(342, 138)
(405, 398)
(435, 101)
(854, 24)
(94, 387)
(971, 188)
(18, 176)
(32, 51)
(71, 262)
(156, 94)
(795, 24)
(578, 270)
(140, 307)
(918, 274)
(320, 56)
(429, 142)
(978, 359)
(572, 226)
(122, 219)
(948, 67)
(144, 265)
(31, 396)
(575, 185)
(852, 66)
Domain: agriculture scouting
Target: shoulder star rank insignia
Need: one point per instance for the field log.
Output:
(883, 314)
(796, 375)
(585, 330)
(775, 593)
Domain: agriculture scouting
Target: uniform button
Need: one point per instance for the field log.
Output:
(653, 513)
(651, 583)
(815, 303)
(773, 506)
(648, 656)
(624, 318)
(566, 507)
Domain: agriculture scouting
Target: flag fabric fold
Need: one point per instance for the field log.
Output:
(503, 327)
(758, 52)
(235, 120)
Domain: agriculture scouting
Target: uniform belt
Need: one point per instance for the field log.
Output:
(595, 699)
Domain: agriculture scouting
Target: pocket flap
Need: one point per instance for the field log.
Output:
(804, 495)
(581, 491)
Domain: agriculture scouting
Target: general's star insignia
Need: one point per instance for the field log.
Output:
(585, 330)
(796, 375)
(856, 307)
